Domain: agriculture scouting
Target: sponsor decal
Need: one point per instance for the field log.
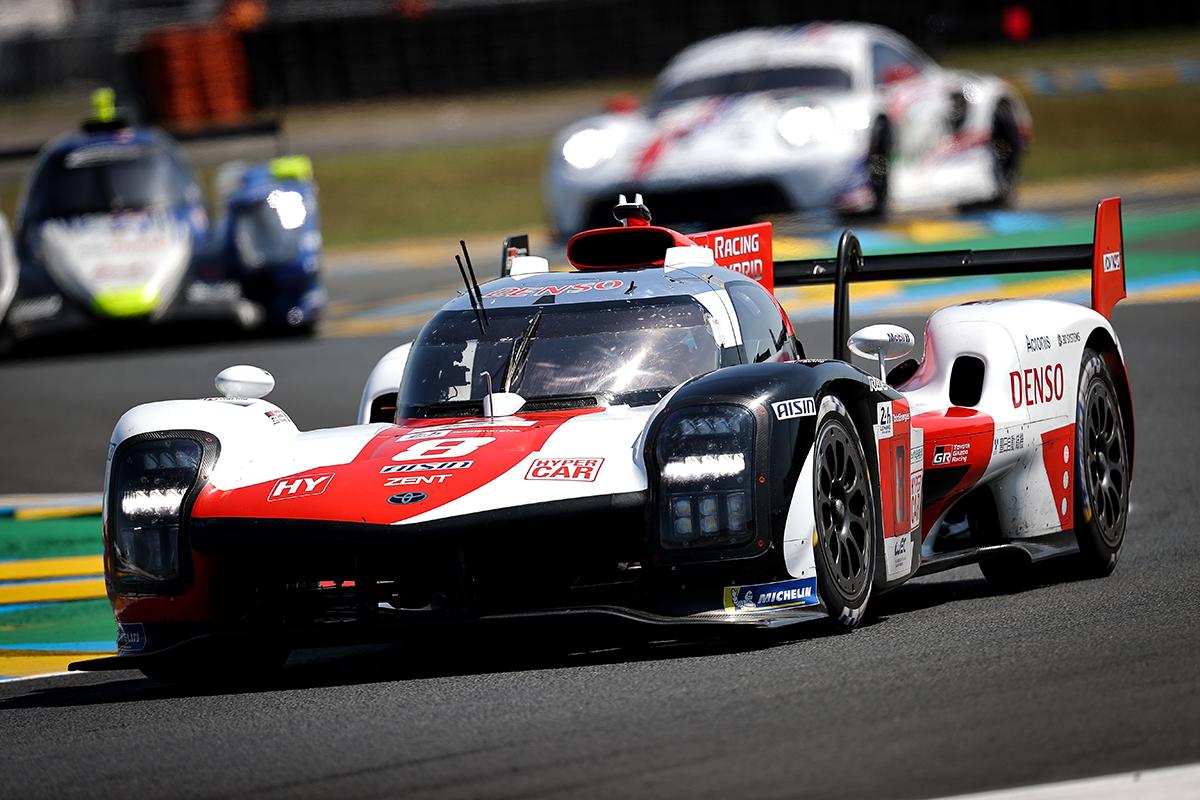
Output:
(1112, 262)
(449, 447)
(425, 466)
(1034, 344)
(308, 486)
(733, 248)
(916, 477)
(407, 498)
(131, 637)
(434, 434)
(277, 417)
(1072, 337)
(1009, 444)
(897, 556)
(542, 291)
(771, 596)
(902, 417)
(1037, 385)
(875, 384)
(564, 469)
(945, 455)
(796, 407)
(884, 420)
(417, 480)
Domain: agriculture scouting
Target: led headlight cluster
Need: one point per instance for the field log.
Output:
(706, 457)
(151, 480)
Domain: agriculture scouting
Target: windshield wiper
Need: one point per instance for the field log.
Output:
(520, 352)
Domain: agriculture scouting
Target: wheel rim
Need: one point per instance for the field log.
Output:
(1105, 462)
(843, 510)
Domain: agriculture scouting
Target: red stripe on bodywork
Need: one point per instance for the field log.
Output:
(653, 152)
(954, 431)
(1058, 450)
(894, 477)
(359, 490)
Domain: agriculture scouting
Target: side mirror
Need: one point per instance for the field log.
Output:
(244, 381)
(882, 342)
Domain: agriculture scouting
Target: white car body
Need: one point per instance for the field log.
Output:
(789, 150)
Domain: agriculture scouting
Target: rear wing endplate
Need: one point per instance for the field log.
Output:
(1104, 257)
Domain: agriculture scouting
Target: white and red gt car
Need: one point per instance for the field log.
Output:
(639, 439)
(840, 116)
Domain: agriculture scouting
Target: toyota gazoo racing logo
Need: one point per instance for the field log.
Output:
(407, 498)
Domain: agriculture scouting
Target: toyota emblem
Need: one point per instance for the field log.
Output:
(408, 498)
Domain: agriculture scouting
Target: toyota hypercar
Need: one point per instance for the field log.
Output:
(112, 231)
(640, 439)
(828, 116)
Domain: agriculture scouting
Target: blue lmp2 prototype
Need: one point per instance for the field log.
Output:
(112, 230)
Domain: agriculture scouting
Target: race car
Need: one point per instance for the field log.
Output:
(841, 116)
(641, 440)
(112, 231)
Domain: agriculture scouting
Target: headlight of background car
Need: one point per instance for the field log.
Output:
(706, 457)
(151, 480)
(805, 124)
(586, 148)
(268, 232)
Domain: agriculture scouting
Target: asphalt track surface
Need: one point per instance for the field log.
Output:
(951, 687)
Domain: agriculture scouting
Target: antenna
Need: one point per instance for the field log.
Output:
(475, 283)
(471, 296)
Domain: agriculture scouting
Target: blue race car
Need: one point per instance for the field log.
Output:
(112, 230)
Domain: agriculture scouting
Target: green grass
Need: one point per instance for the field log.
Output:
(376, 197)
(1131, 129)
(1100, 50)
(379, 196)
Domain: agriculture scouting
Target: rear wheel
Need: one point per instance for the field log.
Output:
(1101, 468)
(1006, 158)
(844, 539)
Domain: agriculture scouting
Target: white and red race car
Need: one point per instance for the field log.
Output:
(639, 439)
(834, 115)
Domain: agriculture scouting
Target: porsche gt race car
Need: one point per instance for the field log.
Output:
(839, 116)
(641, 439)
(112, 230)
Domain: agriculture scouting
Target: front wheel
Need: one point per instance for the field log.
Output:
(1101, 468)
(844, 539)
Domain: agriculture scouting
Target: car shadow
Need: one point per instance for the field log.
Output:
(522, 649)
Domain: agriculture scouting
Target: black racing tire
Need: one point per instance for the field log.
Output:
(205, 665)
(844, 511)
(879, 158)
(1006, 159)
(1102, 468)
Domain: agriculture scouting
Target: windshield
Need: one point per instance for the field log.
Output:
(631, 351)
(757, 80)
(102, 179)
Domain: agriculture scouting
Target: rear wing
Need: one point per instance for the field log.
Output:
(1104, 256)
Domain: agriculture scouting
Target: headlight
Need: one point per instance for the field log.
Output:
(588, 147)
(151, 480)
(804, 124)
(706, 459)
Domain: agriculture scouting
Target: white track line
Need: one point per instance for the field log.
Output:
(1170, 783)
